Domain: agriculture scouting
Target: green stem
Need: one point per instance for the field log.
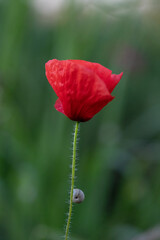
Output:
(72, 179)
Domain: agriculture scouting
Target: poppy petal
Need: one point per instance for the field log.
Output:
(103, 72)
(81, 91)
(111, 80)
(95, 107)
(115, 78)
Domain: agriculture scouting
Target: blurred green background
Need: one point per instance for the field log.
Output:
(119, 149)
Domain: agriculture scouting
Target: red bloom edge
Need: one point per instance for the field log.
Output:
(83, 88)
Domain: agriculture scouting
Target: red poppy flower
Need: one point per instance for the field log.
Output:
(83, 88)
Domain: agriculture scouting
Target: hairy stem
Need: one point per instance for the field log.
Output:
(72, 179)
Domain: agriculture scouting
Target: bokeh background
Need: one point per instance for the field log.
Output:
(119, 149)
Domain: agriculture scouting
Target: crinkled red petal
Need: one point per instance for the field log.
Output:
(101, 71)
(81, 91)
(111, 80)
(115, 78)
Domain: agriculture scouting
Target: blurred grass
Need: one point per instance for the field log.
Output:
(118, 166)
